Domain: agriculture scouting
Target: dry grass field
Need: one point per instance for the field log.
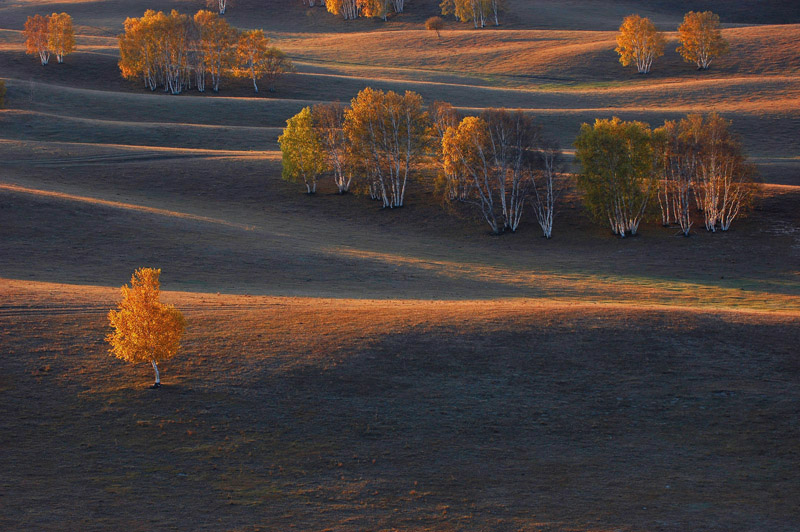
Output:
(348, 368)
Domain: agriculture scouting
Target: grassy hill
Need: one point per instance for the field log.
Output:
(350, 368)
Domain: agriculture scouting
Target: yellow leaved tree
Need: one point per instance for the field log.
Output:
(145, 330)
(60, 35)
(701, 39)
(639, 42)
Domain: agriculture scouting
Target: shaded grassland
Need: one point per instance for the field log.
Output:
(348, 368)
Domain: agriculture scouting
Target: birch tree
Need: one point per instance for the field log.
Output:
(677, 147)
(724, 180)
(701, 39)
(639, 42)
(617, 172)
(348, 9)
(251, 53)
(60, 35)
(301, 150)
(144, 329)
(219, 5)
(328, 121)
(217, 44)
(465, 159)
(36, 35)
(390, 132)
(544, 185)
(444, 116)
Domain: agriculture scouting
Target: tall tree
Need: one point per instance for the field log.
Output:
(302, 152)
(36, 33)
(61, 36)
(701, 39)
(724, 179)
(677, 147)
(477, 11)
(465, 159)
(329, 123)
(144, 329)
(217, 44)
(251, 52)
(617, 172)
(389, 132)
(639, 42)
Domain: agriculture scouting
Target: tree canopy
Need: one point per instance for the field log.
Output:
(144, 329)
(701, 39)
(639, 42)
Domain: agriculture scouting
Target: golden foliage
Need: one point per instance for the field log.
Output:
(145, 330)
(61, 35)
(36, 37)
(701, 39)
(639, 42)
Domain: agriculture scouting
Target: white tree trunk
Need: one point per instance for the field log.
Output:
(158, 377)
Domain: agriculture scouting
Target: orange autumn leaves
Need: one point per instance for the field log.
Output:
(144, 329)
(49, 35)
(176, 51)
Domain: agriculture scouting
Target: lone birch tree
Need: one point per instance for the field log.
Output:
(617, 172)
(36, 34)
(60, 35)
(639, 42)
(701, 39)
(144, 329)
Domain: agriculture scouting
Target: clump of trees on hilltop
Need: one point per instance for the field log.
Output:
(49, 35)
(175, 50)
(639, 42)
(501, 165)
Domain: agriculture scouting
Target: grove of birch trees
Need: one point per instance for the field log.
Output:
(176, 51)
(49, 35)
(696, 162)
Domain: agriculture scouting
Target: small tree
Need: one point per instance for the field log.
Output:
(435, 24)
(251, 52)
(303, 154)
(701, 39)
(617, 171)
(639, 42)
(145, 330)
(36, 38)
(61, 36)
(275, 65)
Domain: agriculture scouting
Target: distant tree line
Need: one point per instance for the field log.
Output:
(176, 51)
(639, 42)
(353, 9)
(479, 12)
(502, 165)
(49, 35)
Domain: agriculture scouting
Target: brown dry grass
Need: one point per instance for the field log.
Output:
(390, 370)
